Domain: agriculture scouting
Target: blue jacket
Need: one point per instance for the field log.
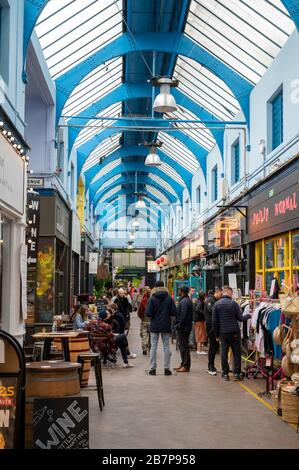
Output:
(185, 314)
(226, 315)
(160, 308)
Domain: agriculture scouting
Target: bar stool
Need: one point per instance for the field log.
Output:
(95, 360)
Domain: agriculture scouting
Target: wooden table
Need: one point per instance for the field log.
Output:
(64, 336)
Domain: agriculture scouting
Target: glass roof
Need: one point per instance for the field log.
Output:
(95, 126)
(157, 193)
(105, 148)
(246, 35)
(171, 172)
(204, 87)
(106, 169)
(71, 31)
(94, 86)
(108, 182)
(163, 184)
(178, 152)
(110, 193)
(200, 135)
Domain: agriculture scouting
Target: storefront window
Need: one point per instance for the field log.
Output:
(296, 249)
(281, 252)
(259, 259)
(270, 254)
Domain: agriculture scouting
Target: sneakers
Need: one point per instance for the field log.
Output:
(127, 366)
(152, 372)
(167, 372)
(238, 377)
(202, 353)
(212, 371)
(132, 356)
(225, 377)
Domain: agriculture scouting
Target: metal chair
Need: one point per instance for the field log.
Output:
(95, 360)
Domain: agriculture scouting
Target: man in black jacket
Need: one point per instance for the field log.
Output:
(160, 308)
(226, 315)
(124, 306)
(184, 327)
(211, 299)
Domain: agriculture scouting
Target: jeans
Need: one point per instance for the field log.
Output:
(213, 346)
(183, 337)
(154, 346)
(121, 342)
(232, 340)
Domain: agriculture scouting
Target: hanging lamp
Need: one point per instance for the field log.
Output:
(164, 101)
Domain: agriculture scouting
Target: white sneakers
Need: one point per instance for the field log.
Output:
(202, 353)
(126, 366)
(132, 356)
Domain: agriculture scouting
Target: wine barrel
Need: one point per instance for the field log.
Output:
(78, 345)
(48, 379)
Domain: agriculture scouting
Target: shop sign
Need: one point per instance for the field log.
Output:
(12, 172)
(197, 244)
(35, 182)
(259, 282)
(278, 213)
(33, 219)
(151, 267)
(93, 263)
(12, 393)
(61, 423)
(103, 271)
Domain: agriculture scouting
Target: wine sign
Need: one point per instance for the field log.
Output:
(61, 423)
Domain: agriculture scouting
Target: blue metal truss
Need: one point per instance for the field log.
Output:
(293, 8)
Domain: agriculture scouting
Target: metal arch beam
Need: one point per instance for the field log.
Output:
(154, 218)
(132, 166)
(32, 11)
(136, 150)
(88, 147)
(126, 192)
(160, 42)
(141, 180)
(293, 8)
(128, 91)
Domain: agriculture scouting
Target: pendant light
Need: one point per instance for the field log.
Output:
(135, 223)
(140, 204)
(164, 101)
(231, 263)
(153, 158)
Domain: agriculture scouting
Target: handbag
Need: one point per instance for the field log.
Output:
(286, 343)
(289, 304)
(278, 335)
(287, 366)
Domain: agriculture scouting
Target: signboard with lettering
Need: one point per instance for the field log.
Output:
(33, 216)
(12, 171)
(35, 182)
(275, 211)
(12, 393)
(151, 267)
(93, 263)
(61, 423)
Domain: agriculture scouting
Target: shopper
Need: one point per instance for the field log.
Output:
(184, 327)
(212, 298)
(124, 306)
(117, 322)
(200, 324)
(81, 317)
(226, 315)
(160, 309)
(101, 326)
(145, 322)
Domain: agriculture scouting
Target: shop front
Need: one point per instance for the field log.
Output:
(52, 293)
(13, 266)
(274, 232)
(226, 258)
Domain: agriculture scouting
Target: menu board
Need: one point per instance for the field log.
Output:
(61, 423)
(8, 390)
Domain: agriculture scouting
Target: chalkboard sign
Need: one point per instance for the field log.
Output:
(12, 393)
(61, 423)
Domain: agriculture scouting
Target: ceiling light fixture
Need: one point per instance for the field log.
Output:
(164, 101)
(153, 158)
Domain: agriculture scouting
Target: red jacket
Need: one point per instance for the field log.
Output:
(142, 306)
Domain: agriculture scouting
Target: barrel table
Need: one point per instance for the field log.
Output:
(48, 379)
(71, 343)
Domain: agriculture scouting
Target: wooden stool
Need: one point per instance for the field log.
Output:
(95, 360)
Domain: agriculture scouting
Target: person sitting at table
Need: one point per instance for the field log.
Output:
(101, 326)
(81, 317)
(117, 321)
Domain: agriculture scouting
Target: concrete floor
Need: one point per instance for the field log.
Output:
(187, 411)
